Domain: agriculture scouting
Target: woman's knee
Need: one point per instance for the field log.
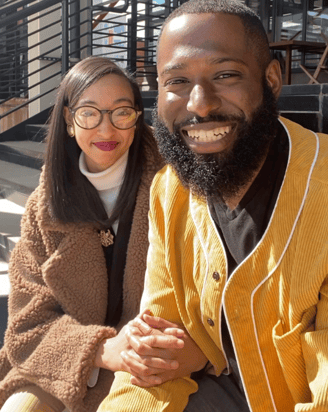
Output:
(32, 399)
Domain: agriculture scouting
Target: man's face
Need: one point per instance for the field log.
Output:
(211, 90)
(206, 67)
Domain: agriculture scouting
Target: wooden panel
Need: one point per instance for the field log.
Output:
(14, 118)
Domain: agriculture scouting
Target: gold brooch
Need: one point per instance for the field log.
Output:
(106, 238)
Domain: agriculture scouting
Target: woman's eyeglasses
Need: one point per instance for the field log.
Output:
(88, 117)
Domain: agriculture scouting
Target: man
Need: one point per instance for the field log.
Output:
(238, 224)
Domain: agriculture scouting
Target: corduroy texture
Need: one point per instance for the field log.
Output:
(58, 301)
(276, 302)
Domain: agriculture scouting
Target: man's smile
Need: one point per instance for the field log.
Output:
(206, 136)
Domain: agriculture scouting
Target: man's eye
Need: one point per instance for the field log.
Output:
(226, 76)
(175, 81)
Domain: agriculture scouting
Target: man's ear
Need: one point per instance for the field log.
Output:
(67, 116)
(273, 76)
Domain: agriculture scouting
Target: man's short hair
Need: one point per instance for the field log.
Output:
(254, 30)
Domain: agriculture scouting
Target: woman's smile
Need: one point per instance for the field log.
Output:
(106, 146)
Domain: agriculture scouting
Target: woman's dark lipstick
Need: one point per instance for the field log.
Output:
(106, 146)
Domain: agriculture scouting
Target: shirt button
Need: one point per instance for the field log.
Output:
(216, 276)
(210, 322)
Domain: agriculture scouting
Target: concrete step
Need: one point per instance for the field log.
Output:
(10, 217)
(25, 153)
(17, 178)
(36, 132)
(3, 272)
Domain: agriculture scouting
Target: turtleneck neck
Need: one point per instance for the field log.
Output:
(109, 178)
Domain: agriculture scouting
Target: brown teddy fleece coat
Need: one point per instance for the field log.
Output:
(58, 300)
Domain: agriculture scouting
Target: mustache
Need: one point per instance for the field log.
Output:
(210, 118)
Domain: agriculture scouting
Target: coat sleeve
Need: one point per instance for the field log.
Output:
(46, 345)
(315, 352)
(159, 297)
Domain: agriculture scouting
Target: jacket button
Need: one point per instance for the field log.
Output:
(216, 276)
(210, 322)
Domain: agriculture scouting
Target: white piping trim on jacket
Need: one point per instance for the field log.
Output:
(231, 276)
(278, 263)
(204, 250)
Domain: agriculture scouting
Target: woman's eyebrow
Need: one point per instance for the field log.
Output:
(120, 100)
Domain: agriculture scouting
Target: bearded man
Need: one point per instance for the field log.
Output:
(238, 224)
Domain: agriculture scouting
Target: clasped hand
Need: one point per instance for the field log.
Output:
(153, 350)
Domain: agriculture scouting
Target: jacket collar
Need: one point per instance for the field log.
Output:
(304, 147)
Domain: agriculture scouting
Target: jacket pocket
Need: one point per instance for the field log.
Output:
(289, 350)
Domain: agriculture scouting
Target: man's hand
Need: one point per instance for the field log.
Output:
(164, 349)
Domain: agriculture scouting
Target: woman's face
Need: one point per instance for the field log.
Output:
(104, 144)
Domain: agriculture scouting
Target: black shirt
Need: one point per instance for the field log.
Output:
(242, 228)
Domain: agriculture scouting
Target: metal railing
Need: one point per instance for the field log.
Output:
(34, 53)
(40, 41)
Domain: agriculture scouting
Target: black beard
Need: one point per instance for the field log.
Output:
(221, 174)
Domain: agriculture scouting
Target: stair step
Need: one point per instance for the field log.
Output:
(4, 284)
(3, 275)
(25, 153)
(10, 218)
(17, 178)
(36, 132)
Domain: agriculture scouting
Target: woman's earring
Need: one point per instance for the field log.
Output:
(70, 130)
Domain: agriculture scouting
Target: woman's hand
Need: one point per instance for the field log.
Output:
(151, 339)
(108, 354)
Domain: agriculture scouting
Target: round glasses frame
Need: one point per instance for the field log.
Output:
(110, 113)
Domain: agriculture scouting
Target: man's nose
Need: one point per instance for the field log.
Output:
(203, 100)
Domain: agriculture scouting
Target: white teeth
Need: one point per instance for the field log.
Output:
(208, 135)
(202, 135)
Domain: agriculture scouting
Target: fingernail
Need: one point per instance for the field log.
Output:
(174, 365)
(123, 354)
(157, 381)
(149, 312)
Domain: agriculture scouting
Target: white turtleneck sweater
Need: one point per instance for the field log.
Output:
(108, 182)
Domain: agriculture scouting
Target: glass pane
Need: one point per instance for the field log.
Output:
(289, 20)
(317, 20)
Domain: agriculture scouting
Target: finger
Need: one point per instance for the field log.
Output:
(146, 312)
(179, 333)
(133, 329)
(147, 383)
(157, 322)
(162, 341)
(160, 378)
(158, 363)
(141, 325)
(140, 347)
(137, 368)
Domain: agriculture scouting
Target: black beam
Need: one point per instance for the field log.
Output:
(65, 45)
(133, 31)
(75, 28)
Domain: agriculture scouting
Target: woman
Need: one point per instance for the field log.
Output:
(84, 226)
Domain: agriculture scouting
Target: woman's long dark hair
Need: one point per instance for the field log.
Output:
(72, 197)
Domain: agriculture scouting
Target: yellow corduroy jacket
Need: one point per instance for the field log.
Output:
(275, 302)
